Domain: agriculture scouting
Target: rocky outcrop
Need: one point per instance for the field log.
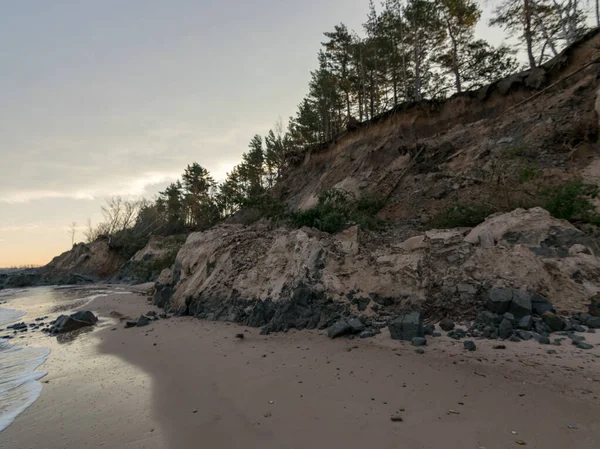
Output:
(147, 264)
(84, 263)
(280, 278)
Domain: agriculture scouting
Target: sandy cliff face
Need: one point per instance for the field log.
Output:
(282, 278)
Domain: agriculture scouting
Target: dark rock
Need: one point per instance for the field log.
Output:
(142, 321)
(437, 334)
(540, 327)
(582, 345)
(407, 327)
(429, 329)
(486, 318)
(521, 305)
(543, 340)
(510, 317)
(499, 346)
(514, 339)
(553, 321)
(539, 304)
(240, 336)
(85, 316)
(17, 326)
(420, 351)
(524, 335)
(505, 329)
(129, 324)
(339, 329)
(579, 328)
(151, 313)
(498, 300)
(594, 307)
(470, 345)
(65, 323)
(576, 338)
(356, 325)
(593, 322)
(367, 334)
(591, 331)
(447, 324)
(525, 323)
(457, 334)
(419, 341)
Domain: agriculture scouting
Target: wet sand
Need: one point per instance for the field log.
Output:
(184, 383)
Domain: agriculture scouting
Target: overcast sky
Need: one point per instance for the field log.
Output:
(116, 97)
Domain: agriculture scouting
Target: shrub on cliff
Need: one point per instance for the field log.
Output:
(336, 208)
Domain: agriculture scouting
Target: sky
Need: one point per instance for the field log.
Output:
(113, 97)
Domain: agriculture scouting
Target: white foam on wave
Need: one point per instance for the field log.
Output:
(19, 386)
(9, 316)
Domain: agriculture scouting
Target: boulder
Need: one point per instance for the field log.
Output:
(505, 329)
(65, 323)
(524, 335)
(407, 327)
(142, 321)
(470, 345)
(85, 316)
(543, 340)
(367, 334)
(129, 324)
(525, 323)
(520, 305)
(338, 329)
(429, 329)
(498, 300)
(419, 341)
(539, 304)
(356, 325)
(553, 321)
(447, 324)
(486, 318)
(582, 345)
(593, 322)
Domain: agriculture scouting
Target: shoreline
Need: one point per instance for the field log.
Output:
(139, 388)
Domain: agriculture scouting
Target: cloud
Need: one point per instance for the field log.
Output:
(26, 227)
(128, 166)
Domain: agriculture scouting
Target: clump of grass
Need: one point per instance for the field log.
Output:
(463, 215)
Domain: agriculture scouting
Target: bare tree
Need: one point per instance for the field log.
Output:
(72, 231)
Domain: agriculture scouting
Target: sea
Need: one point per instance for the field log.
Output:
(22, 359)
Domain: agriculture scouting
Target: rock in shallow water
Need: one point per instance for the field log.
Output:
(66, 323)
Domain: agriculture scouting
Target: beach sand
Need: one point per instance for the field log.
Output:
(184, 383)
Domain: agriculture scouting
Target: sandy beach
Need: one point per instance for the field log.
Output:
(186, 383)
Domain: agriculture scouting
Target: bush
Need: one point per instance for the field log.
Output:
(463, 216)
(571, 200)
(335, 209)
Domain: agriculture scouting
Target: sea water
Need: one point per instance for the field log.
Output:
(19, 375)
(19, 379)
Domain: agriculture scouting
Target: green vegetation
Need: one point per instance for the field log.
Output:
(528, 172)
(572, 200)
(463, 216)
(335, 208)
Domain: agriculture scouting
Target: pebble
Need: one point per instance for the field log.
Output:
(419, 351)
(396, 418)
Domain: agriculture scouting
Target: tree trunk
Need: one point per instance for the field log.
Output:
(528, 37)
(454, 58)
